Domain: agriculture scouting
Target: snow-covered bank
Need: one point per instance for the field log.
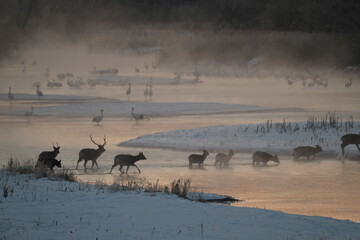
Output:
(246, 138)
(43, 209)
(150, 109)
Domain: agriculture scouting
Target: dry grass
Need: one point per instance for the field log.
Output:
(28, 167)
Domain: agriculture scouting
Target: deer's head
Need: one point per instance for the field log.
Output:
(56, 148)
(318, 148)
(100, 146)
(276, 158)
(141, 156)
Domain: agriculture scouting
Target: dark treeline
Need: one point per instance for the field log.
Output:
(293, 15)
(335, 17)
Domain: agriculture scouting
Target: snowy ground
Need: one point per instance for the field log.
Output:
(247, 138)
(43, 209)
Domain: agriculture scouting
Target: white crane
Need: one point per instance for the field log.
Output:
(348, 84)
(146, 92)
(136, 116)
(99, 118)
(10, 95)
(150, 91)
(30, 113)
(137, 70)
(39, 93)
(153, 65)
(128, 91)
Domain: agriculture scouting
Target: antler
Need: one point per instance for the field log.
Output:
(94, 141)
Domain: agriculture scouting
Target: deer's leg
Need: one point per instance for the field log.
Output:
(113, 167)
(78, 163)
(137, 168)
(127, 169)
(96, 164)
(85, 162)
(120, 169)
(357, 145)
(343, 148)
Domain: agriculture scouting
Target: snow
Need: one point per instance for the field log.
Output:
(246, 138)
(44, 209)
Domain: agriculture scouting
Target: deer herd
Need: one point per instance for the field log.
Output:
(48, 159)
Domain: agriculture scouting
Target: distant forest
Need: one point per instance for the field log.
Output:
(334, 17)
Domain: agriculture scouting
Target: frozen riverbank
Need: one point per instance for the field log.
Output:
(280, 137)
(44, 209)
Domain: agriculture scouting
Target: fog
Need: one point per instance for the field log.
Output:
(107, 54)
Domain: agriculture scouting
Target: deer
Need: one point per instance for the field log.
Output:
(264, 158)
(223, 159)
(306, 151)
(197, 158)
(348, 139)
(49, 163)
(127, 160)
(44, 156)
(87, 154)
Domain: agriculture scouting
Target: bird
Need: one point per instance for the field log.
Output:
(348, 84)
(39, 93)
(136, 116)
(146, 92)
(99, 118)
(47, 72)
(137, 70)
(10, 95)
(146, 66)
(150, 91)
(128, 91)
(153, 65)
(196, 73)
(29, 114)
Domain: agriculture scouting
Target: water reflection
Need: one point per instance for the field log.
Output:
(325, 187)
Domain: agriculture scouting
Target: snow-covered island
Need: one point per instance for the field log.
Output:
(44, 209)
(280, 137)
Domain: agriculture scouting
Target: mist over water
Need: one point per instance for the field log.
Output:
(266, 69)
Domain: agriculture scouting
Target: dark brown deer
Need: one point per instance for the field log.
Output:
(350, 139)
(264, 158)
(306, 151)
(197, 158)
(49, 155)
(223, 159)
(127, 160)
(87, 154)
(49, 163)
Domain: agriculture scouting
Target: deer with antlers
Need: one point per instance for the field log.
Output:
(87, 154)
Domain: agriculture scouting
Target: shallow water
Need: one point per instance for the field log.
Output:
(326, 187)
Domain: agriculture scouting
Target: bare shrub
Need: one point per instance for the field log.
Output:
(65, 174)
(180, 187)
(28, 167)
